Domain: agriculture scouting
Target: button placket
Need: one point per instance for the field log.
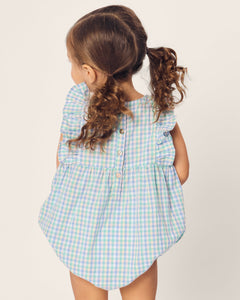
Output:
(120, 151)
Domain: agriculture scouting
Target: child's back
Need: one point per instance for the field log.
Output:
(111, 214)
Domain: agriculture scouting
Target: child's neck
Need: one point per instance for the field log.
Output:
(130, 91)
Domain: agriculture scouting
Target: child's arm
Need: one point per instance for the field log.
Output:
(181, 161)
(61, 137)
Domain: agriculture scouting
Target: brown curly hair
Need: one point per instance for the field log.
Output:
(112, 40)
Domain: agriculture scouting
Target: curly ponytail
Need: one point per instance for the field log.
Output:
(164, 73)
(104, 109)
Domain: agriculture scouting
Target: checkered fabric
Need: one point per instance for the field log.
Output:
(109, 215)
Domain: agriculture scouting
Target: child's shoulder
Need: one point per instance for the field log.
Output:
(76, 97)
(78, 92)
(167, 119)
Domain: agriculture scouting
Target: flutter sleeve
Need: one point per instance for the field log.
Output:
(73, 109)
(165, 151)
(73, 116)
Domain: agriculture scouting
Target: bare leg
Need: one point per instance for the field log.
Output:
(85, 290)
(143, 287)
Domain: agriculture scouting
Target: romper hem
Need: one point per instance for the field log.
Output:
(142, 270)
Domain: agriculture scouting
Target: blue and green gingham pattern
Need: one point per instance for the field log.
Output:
(109, 215)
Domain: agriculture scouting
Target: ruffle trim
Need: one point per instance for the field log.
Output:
(73, 110)
(165, 151)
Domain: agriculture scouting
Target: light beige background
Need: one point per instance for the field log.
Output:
(35, 77)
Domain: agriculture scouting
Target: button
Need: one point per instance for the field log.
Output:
(118, 174)
(121, 130)
(166, 133)
(119, 152)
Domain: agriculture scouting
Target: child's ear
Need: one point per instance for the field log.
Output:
(89, 73)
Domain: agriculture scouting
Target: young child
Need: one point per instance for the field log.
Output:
(116, 201)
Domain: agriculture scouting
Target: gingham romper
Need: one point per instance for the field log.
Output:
(109, 215)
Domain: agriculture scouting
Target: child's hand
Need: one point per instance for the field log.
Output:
(181, 162)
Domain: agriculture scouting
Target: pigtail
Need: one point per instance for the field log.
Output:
(103, 115)
(164, 73)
